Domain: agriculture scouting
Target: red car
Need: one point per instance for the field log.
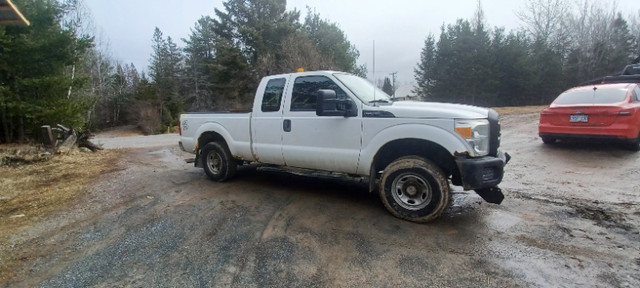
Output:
(600, 111)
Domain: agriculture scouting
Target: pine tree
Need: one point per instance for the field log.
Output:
(35, 83)
(199, 56)
(387, 87)
(166, 71)
(332, 43)
(424, 75)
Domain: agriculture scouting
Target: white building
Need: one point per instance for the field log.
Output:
(404, 93)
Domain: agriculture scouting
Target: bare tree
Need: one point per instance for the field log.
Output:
(634, 26)
(78, 20)
(601, 39)
(545, 21)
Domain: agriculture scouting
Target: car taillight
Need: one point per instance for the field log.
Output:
(180, 129)
(546, 112)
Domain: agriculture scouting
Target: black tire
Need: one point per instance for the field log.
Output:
(414, 189)
(218, 162)
(548, 140)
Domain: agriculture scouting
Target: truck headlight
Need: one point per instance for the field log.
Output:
(476, 132)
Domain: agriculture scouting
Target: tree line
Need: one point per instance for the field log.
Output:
(561, 44)
(57, 71)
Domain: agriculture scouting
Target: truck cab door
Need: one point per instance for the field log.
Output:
(266, 121)
(330, 143)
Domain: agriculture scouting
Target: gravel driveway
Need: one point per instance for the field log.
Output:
(570, 218)
(161, 140)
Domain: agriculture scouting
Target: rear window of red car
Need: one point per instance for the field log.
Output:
(594, 95)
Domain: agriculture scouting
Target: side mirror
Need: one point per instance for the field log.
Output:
(327, 104)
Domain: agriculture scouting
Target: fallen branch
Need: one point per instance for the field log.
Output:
(83, 141)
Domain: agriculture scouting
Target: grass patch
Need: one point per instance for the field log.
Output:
(34, 184)
(517, 110)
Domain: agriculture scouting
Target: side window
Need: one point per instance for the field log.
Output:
(636, 94)
(273, 95)
(305, 92)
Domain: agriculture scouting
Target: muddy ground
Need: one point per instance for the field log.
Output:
(570, 218)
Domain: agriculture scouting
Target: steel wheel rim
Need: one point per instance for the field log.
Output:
(214, 162)
(411, 191)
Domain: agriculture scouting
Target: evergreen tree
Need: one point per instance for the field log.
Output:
(248, 36)
(512, 68)
(165, 71)
(199, 56)
(424, 72)
(256, 27)
(387, 87)
(454, 69)
(622, 46)
(332, 43)
(556, 49)
(34, 83)
(227, 55)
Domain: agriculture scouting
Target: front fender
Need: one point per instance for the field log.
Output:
(450, 141)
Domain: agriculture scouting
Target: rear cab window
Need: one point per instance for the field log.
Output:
(272, 98)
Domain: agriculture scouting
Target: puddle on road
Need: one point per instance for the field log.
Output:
(500, 220)
(468, 202)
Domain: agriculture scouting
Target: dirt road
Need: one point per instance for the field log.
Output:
(570, 218)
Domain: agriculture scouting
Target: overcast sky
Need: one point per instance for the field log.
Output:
(398, 27)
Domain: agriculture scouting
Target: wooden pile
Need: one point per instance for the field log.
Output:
(66, 139)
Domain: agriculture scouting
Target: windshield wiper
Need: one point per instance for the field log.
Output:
(379, 101)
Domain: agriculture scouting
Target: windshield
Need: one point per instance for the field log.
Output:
(362, 88)
(594, 95)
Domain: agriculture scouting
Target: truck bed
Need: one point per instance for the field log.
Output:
(233, 126)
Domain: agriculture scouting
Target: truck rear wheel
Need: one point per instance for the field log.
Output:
(414, 189)
(218, 162)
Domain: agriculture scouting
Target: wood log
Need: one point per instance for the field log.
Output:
(88, 144)
(68, 144)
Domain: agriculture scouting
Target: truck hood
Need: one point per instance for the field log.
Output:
(414, 109)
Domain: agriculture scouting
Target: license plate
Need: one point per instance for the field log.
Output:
(579, 118)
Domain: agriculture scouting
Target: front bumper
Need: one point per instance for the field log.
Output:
(483, 175)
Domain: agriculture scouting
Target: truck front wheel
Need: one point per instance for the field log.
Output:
(414, 189)
(218, 162)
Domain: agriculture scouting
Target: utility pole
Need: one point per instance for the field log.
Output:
(393, 77)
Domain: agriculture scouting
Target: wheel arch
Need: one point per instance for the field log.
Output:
(435, 136)
(211, 134)
(413, 146)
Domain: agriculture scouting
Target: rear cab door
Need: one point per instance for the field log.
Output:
(330, 143)
(266, 121)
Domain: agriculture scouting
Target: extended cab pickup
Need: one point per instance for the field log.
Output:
(340, 123)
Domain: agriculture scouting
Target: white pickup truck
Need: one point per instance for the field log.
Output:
(337, 122)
